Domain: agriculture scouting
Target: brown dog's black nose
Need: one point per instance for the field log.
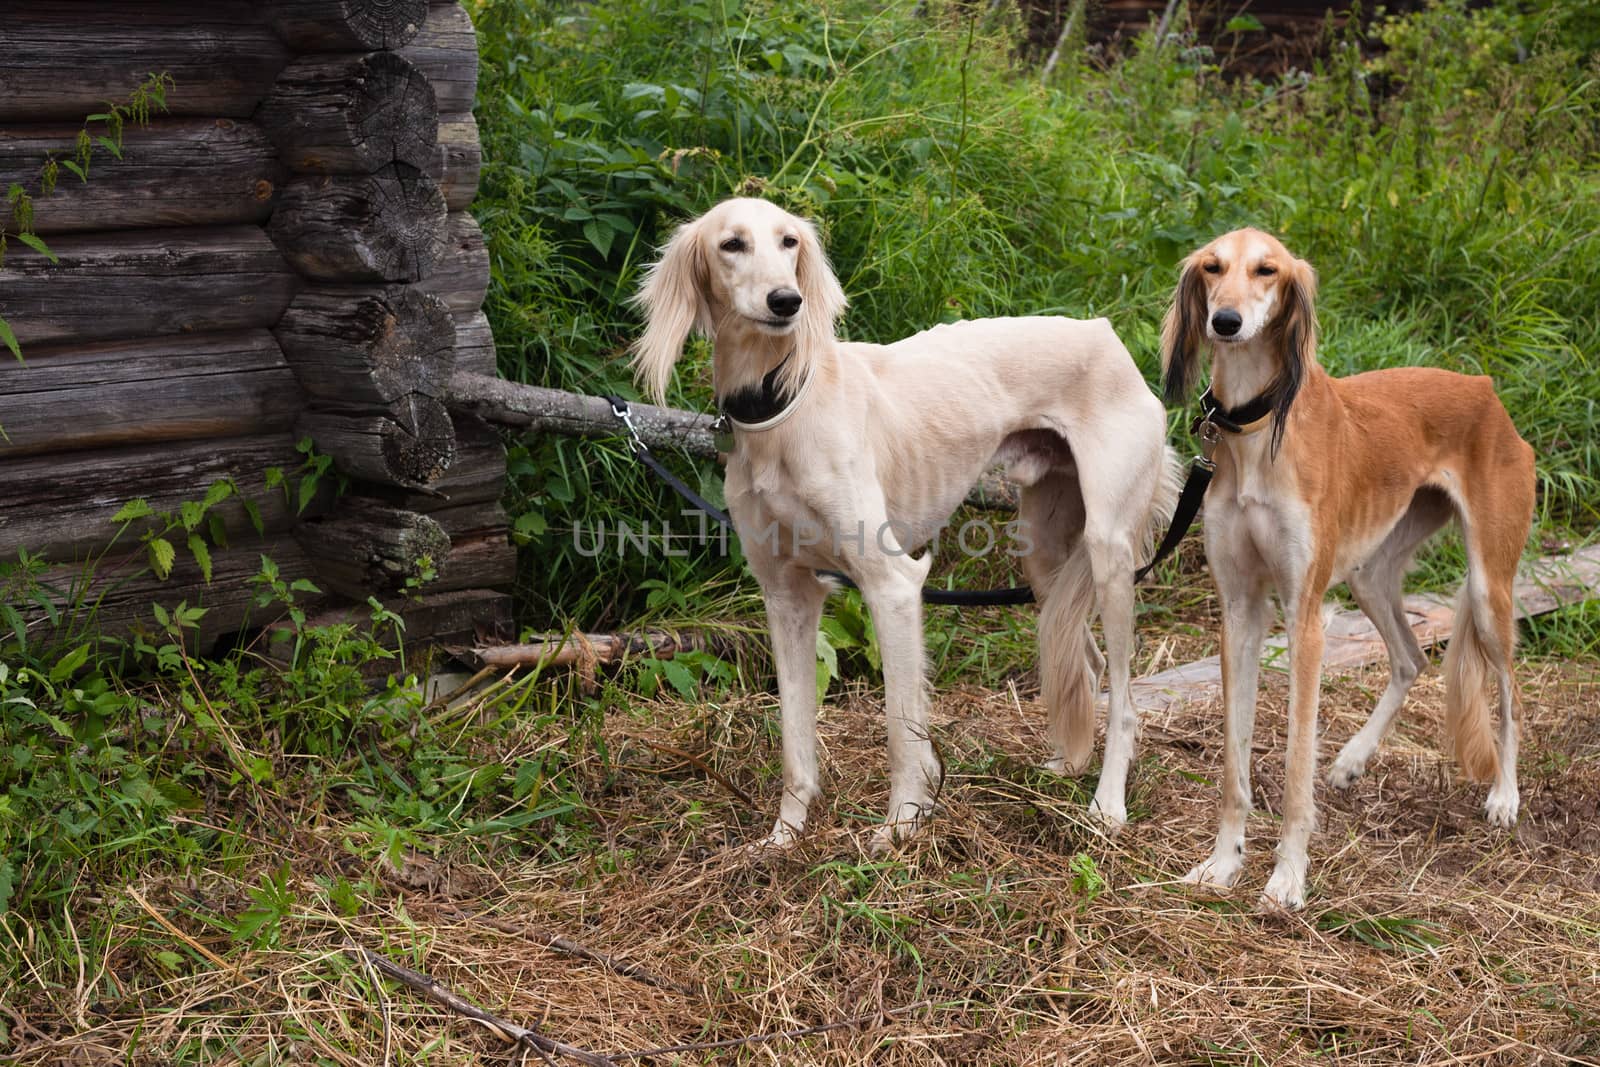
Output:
(784, 302)
(1226, 322)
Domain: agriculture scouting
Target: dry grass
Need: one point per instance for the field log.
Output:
(1429, 937)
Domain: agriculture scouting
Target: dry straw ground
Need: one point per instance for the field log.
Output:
(1013, 934)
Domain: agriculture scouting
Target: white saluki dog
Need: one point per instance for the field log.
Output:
(1352, 477)
(850, 456)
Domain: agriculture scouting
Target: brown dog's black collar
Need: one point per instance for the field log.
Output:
(1247, 418)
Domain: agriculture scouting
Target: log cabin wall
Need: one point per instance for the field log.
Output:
(284, 252)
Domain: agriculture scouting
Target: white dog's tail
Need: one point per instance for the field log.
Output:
(1069, 662)
(1467, 670)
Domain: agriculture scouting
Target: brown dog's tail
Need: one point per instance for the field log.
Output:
(1467, 672)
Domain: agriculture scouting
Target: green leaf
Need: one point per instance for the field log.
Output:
(827, 664)
(10, 339)
(1246, 23)
(202, 555)
(218, 491)
(308, 492)
(68, 665)
(109, 145)
(137, 508)
(190, 512)
(681, 678)
(32, 241)
(162, 556)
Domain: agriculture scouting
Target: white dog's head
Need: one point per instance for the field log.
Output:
(745, 268)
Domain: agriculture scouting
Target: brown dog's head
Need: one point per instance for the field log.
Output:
(1243, 289)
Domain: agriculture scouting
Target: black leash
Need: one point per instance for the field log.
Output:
(1019, 594)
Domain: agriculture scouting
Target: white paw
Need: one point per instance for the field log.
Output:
(1110, 815)
(782, 838)
(913, 816)
(1218, 872)
(1286, 890)
(1345, 770)
(1059, 765)
(1501, 808)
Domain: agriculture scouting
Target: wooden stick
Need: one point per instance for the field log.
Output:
(1061, 42)
(625, 968)
(709, 771)
(781, 1035)
(438, 993)
(564, 651)
(1542, 585)
(544, 410)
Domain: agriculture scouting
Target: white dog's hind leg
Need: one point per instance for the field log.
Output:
(794, 600)
(1112, 558)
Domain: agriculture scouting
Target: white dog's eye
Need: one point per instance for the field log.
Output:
(790, 240)
(733, 244)
(1212, 268)
(1266, 270)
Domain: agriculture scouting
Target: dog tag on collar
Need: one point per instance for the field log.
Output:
(722, 434)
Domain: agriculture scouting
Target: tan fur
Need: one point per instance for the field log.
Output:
(1356, 473)
(888, 439)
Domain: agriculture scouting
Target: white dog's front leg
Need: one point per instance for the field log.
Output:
(893, 591)
(794, 600)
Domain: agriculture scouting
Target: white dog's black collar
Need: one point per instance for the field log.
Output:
(762, 407)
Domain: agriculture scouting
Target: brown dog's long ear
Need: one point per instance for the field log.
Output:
(1299, 343)
(1182, 331)
(673, 298)
(823, 299)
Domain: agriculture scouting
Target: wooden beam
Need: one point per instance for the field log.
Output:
(65, 60)
(446, 50)
(1352, 641)
(345, 25)
(60, 504)
(387, 227)
(367, 548)
(145, 283)
(212, 385)
(364, 347)
(411, 445)
(352, 114)
(460, 275)
(459, 160)
(173, 172)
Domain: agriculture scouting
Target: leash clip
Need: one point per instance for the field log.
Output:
(621, 410)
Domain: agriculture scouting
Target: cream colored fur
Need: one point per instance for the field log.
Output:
(887, 440)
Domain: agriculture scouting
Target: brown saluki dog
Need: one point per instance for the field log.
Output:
(1321, 480)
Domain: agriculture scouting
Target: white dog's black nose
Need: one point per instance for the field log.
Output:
(1226, 322)
(784, 302)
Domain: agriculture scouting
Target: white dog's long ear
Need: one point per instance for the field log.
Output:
(673, 298)
(823, 296)
(1182, 331)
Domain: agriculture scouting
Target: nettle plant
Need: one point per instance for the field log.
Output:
(101, 131)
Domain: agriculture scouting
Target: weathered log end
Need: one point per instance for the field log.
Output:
(385, 227)
(369, 548)
(411, 446)
(352, 114)
(346, 25)
(356, 347)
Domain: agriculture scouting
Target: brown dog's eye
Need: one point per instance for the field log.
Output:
(790, 240)
(732, 244)
(1212, 268)
(1266, 270)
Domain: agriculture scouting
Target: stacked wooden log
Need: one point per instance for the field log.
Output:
(284, 252)
(374, 122)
